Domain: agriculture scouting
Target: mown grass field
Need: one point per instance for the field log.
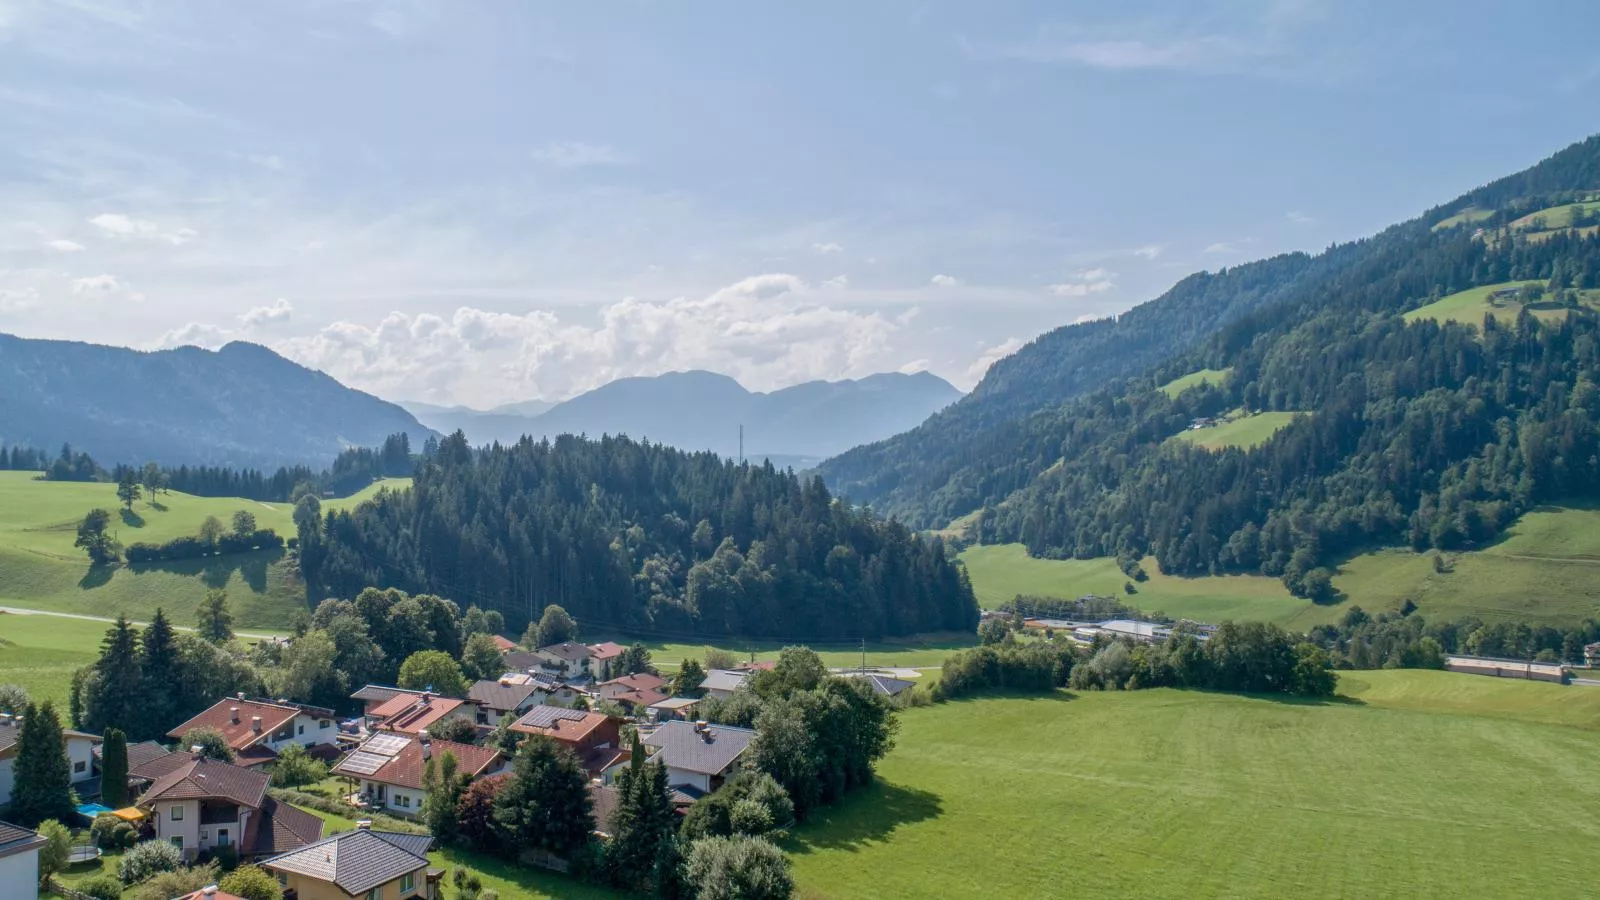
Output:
(1553, 218)
(999, 573)
(1470, 306)
(1182, 794)
(41, 653)
(928, 650)
(40, 569)
(1243, 431)
(1465, 217)
(1194, 379)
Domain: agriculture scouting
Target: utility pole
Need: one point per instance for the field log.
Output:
(863, 656)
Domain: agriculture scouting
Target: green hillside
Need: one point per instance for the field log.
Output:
(1553, 218)
(1465, 217)
(1183, 794)
(41, 653)
(1470, 306)
(1239, 430)
(40, 569)
(1194, 379)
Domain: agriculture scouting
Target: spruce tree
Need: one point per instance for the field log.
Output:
(116, 695)
(43, 777)
(545, 804)
(114, 769)
(160, 666)
(643, 825)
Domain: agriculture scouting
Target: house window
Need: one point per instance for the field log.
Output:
(177, 841)
(80, 767)
(302, 729)
(408, 882)
(205, 834)
(325, 723)
(222, 837)
(373, 894)
(177, 814)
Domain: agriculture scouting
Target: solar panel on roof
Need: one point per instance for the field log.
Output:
(545, 716)
(363, 763)
(386, 744)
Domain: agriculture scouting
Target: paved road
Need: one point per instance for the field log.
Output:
(19, 611)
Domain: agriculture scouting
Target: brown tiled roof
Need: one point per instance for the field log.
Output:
(240, 734)
(598, 760)
(504, 644)
(404, 769)
(502, 697)
(415, 717)
(279, 828)
(567, 725)
(200, 779)
(644, 681)
(607, 650)
(258, 755)
(149, 760)
(568, 650)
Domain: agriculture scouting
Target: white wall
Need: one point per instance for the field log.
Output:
(5, 780)
(80, 752)
(306, 731)
(188, 827)
(19, 874)
(698, 780)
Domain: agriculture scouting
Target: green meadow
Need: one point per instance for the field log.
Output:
(1465, 217)
(40, 569)
(1181, 794)
(41, 653)
(1470, 306)
(1239, 430)
(1194, 379)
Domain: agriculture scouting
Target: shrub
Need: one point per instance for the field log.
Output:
(251, 883)
(177, 883)
(147, 859)
(124, 836)
(738, 868)
(104, 886)
(103, 831)
(57, 848)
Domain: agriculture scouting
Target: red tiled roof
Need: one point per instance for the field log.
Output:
(259, 755)
(200, 779)
(607, 650)
(214, 895)
(238, 730)
(405, 768)
(572, 727)
(416, 716)
(644, 681)
(504, 644)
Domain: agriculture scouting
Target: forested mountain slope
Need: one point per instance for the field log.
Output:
(641, 537)
(1434, 432)
(982, 448)
(241, 406)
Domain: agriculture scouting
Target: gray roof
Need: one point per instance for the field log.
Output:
(11, 732)
(571, 651)
(889, 687)
(357, 861)
(682, 747)
(503, 697)
(523, 660)
(15, 839)
(723, 680)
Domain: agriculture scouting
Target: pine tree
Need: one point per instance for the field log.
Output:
(643, 825)
(160, 666)
(116, 693)
(114, 769)
(43, 778)
(545, 802)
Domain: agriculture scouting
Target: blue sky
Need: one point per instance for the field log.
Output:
(486, 202)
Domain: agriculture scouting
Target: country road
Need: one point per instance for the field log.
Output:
(19, 611)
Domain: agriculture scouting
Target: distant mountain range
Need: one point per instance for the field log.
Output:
(243, 405)
(704, 411)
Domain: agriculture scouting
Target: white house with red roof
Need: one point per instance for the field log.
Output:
(257, 729)
(388, 768)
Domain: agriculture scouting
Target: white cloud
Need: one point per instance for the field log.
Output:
(1148, 251)
(122, 225)
(1082, 284)
(766, 331)
(271, 162)
(279, 312)
(990, 356)
(1222, 247)
(915, 366)
(837, 283)
(194, 334)
(1201, 52)
(95, 284)
(943, 281)
(577, 155)
(828, 247)
(62, 245)
(1300, 218)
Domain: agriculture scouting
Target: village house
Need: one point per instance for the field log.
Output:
(416, 713)
(373, 696)
(147, 761)
(721, 683)
(568, 659)
(511, 695)
(387, 769)
(19, 861)
(633, 693)
(79, 747)
(1591, 654)
(503, 643)
(595, 738)
(257, 729)
(675, 708)
(364, 863)
(602, 657)
(1507, 668)
(698, 756)
(883, 685)
(204, 805)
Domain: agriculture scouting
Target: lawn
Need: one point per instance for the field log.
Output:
(1239, 430)
(1465, 217)
(40, 569)
(1194, 379)
(1471, 305)
(1183, 794)
(1555, 217)
(41, 653)
(911, 652)
(1001, 572)
(1545, 571)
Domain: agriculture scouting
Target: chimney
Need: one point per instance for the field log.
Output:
(197, 750)
(209, 890)
(701, 725)
(255, 724)
(239, 696)
(233, 714)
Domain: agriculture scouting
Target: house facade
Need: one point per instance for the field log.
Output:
(415, 714)
(79, 747)
(595, 738)
(511, 695)
(569, 659)
(721, 683)
(601, 658)
(205, 805)
(387, 770)
(364, 863)
(19, 861)
(257, 730)
(697, 756)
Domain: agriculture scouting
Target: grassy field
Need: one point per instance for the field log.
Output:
(40, 569)
(1465, 217)
(1546, 570)
(1471, 305)
(928, 650)
(41, 653)
(1000, 573)
(1181, 794)
(1556, 217)
(1239, 430)
(1194, 379)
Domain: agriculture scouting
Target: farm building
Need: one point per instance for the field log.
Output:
(1507, 668)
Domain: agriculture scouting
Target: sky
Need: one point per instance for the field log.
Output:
(480, 203)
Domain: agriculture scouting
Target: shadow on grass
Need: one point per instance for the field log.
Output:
(217, 571)
(1285, 699)
(870, 814)
(1059, 695)
(530, 879)
(158, 506)
(96, 576)
(131, 518)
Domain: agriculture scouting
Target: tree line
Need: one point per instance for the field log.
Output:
(635, 536)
